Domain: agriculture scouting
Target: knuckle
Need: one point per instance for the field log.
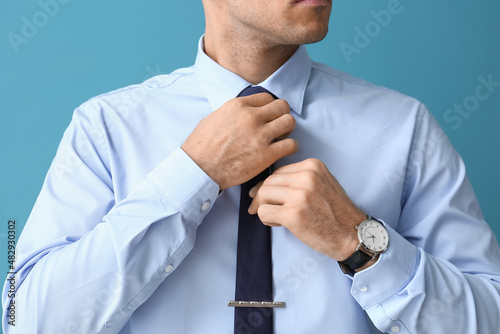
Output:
(308, 177)
(310, 181)
(288, 121)
(237, 103)
(256, 143)
(268, 98)
(282, 104)
(246, 117)
(263, 213)
(262, 192)
(315, 164)
(270, 180)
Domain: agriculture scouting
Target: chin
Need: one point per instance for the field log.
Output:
(317, 38)
(310, 36)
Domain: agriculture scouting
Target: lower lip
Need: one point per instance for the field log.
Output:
(313, 2)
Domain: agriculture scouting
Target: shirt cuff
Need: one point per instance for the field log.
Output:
(389, 275)
(184, 184)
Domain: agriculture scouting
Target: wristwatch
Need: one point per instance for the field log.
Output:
(373, 240)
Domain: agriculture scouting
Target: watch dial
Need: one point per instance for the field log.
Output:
(374, 236)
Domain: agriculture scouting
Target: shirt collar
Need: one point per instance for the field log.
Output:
(288, 82)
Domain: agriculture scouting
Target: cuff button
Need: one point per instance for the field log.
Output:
(205, 206)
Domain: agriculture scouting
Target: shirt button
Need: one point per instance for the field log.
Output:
(169, 268)
(205, 206)
(395, 329)
(363, 288)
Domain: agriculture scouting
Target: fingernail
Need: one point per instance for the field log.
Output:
(252, 192)
(297, 145)
(250, 209)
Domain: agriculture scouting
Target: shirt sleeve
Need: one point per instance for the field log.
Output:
(441, 272)
(85, 262)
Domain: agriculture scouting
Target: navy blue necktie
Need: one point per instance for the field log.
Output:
(254, 281)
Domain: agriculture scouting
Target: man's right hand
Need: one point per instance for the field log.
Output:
(242, 138)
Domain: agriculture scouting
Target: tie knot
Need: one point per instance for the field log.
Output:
(251, 90)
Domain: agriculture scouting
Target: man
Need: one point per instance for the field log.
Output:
(135, 229)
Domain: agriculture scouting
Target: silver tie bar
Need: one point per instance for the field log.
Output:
(234, 303)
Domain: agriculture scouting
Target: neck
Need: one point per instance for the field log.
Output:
(247, 56)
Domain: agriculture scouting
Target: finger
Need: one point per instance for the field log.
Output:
(274, 110)
(275, 195)
(308, 164)
(279, 127)
(257, 100)
(283, 148)
(271, 215)
(281, 180)
(254, 190)
(283, 136)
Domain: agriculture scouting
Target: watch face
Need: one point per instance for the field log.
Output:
(373, 236)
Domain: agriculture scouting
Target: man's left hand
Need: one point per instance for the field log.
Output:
(308, 200)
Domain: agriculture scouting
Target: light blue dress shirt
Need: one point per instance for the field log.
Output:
(129, 235)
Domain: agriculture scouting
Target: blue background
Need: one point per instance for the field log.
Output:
(432, 50)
